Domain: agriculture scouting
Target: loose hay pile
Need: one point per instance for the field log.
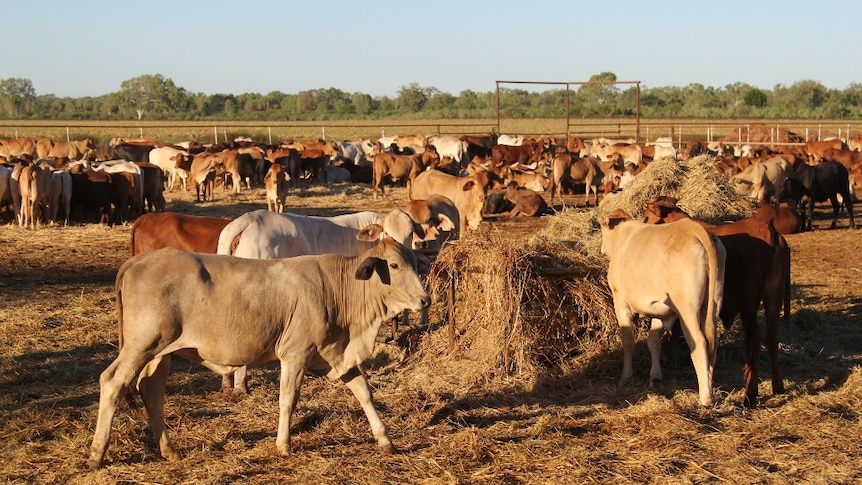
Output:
(524, 306)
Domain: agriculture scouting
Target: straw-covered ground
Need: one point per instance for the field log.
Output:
(527, 393)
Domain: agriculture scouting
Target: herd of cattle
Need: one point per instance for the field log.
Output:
(332, 282)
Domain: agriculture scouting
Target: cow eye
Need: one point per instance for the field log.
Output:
(393, 265)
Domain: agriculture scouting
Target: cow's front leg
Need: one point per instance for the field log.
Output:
(292, 372)
(356, 382)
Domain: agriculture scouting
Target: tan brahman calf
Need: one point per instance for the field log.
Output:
(666, 272)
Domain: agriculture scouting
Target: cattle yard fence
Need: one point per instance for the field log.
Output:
(680, 131)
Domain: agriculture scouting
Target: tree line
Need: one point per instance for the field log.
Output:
(154, 97)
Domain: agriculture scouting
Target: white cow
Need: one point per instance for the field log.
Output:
(317, 314)
(450, 146)
(666, 272)
(61, 193)
(168, 159)
(761, 180)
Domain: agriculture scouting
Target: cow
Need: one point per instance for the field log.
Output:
(133, 152)
(510, 140)
(75, 150)
(851, 159)
(682, 281)
(631, 153)
(826, 180)
(815, 149)
(438, 218)
(275, 181)
(6, 199)
(24, 147)
(316, 313)
(784, 219)
(263, 234)
(566, 171)
(198, 234)
(136, 184)
(761, 181)
(526, 155)
(479, 145)
(450, 146)
(467, 193)
(153, 187)
(35, 187)
(399, 167)
(526, 201)
(61, 194)
(757, 269)
(171, 160)
(530, 180)
(204, 168)
(92, 191)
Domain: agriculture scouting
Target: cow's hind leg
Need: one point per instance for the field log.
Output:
(625, 320)
(113, 383)
(703, 365)
(151, 384)
(356, 382)
(657, 330)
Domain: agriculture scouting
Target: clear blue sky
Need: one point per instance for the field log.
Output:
(89, 48)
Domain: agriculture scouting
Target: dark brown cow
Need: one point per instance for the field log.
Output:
(757, 269)
(154, 186)
(784, 219)
(526, 154)
(815, 149)
(92, 191)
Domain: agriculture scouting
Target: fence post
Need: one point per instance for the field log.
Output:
(68, 138)
(323, 131)
(215, 133)
(269, 129)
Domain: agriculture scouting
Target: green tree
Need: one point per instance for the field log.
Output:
(754, 97)
(361, 103)
(412, 98)
(14, 93)
(153, 94)
(304, 102)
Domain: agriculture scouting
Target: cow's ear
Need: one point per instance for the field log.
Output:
(423, 264)
(371, 232)
(366, 268)
(468, 185)
(445, 223)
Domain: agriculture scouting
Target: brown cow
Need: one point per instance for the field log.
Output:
(757, 269)
(197, 234)
(35, 186)
(399, 167)
(275, 181)
(527, 202)
(815, 149)
(75, 150)
(24, 147)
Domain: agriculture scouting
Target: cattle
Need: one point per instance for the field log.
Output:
(757, 269)
(526, 201)
(292, 317)
(153, 187)
(815, 149)
(61, 194)
(416, 143)
(683, 280)
(693, 148)
(566, 171)
(171, 160)
(439, 219)
(784, 219)
(275, 181)
(510, 140)
(204, 167)
(399, 167)
(263, 234)
(352, 153)
(133, 152)
(527, 154)
(198, 234)
(467, 193)
(136, 182)
(479, 145)
(530, 180)
(35, 187)
(92, 192)
(6, 200)
(762, 180)
(450, 146)
(24, 147)
(851, 159)
(854, 142)
(630, 153)
(75, 150)
(825, 181)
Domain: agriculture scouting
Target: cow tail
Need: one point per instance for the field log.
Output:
(118, 287)
(715, 286)
(230, 232)
(787, 282)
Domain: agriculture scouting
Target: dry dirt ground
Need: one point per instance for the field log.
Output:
(57, 333)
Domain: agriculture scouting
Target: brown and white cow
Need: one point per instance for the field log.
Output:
(682, 279)
(260, 321)
(757, 270)
(438, 219)
(467, 193)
